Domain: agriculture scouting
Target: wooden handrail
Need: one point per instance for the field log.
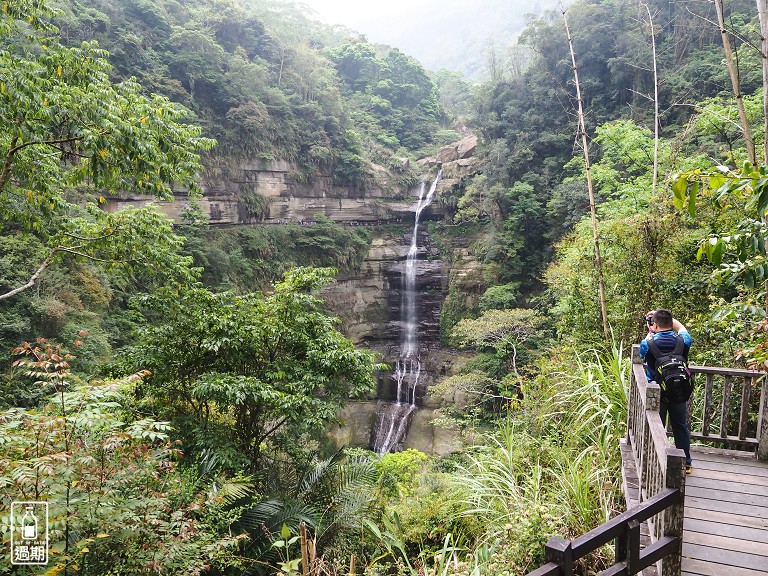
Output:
(625, 529)
(726, 371)
(615, 527)
(734, 408)
(659, 467)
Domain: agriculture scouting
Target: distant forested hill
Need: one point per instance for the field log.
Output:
(526, 118)
(267, 82)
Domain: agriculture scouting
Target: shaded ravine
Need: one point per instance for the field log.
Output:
(393, 418)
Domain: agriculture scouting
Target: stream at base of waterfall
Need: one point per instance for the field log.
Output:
(393, 418)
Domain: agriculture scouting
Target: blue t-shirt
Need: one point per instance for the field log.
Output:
(666, 341)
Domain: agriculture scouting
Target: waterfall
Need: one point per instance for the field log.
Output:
(393, 419)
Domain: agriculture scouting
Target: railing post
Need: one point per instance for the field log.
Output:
(560, 552)
(633, 546)
(653, 397)
(673, 517)
(633, 410)
(726, 407)
(620, 548)
(762, 423)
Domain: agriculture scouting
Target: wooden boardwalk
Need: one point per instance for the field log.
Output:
(725, 532)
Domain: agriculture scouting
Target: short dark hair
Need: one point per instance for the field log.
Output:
(663, 318)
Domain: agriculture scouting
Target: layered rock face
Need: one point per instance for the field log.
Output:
(228, 198)
(368, 302)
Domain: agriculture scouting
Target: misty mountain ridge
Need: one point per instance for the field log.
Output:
(455, 36)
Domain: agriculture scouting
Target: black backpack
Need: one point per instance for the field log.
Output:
(675, 377)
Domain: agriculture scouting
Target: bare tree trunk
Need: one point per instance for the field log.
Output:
(761, 12)
(33, 279)
(304, 550)
(734, 74)
(493, 62)
(592, 207)
(763, 17)
(282, 64)
(655, 102)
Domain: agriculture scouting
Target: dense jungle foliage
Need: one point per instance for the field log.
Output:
(267, 82)
(171, 382)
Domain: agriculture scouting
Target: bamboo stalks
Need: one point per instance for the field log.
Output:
(763, 17)
(655, 102)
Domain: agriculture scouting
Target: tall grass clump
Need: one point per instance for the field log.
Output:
(552, 467)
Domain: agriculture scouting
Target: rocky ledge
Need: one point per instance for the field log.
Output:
(267, 191)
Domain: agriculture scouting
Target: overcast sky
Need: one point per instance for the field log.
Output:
(357, 13)
(438, 33)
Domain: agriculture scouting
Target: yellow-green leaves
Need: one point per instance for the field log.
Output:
(679, 187)
(713, 249)
(685, 191)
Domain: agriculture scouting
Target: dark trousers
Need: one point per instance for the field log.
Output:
(678, 419)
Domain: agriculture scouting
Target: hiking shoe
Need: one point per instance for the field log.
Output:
(688, 468)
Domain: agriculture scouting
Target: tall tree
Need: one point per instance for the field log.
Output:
(253, 367)
(734, 75)
(762, 14)
(590, 192)
(655, 99)
(68, 135)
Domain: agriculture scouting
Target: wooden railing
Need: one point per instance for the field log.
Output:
(732, 409)
(659, 465)
(624, 529)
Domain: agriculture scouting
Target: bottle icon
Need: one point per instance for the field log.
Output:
(28, 525)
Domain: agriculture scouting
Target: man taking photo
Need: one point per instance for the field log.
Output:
(665, 352)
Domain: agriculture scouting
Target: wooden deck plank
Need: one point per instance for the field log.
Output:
(731, 485)
(717, 517)
(730, 477)
(730, 464)
(729, 507)
(742, 544)
(728, 530)
(726, 516)
(725, 452)
(701, 568)
(721, 556)
(728, 467)
(747, 458)
(728, 497)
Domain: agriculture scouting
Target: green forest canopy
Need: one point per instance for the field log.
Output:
(199, 456)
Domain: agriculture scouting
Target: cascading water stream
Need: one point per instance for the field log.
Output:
(393, 420)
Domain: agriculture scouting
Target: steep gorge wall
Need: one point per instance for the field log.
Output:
(367, 301)
(229, 194)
